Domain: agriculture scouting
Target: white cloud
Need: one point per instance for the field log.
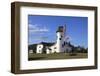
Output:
(36, 28)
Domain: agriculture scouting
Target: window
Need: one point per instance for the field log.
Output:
(39, 50)
(59, 38)
(55, 48)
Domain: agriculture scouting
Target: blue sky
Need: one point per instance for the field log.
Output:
(43, 28)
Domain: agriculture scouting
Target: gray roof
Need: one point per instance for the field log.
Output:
(45, 44)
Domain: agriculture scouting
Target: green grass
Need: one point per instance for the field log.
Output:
(56, 56)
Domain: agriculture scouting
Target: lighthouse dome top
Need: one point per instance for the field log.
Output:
(60, 29)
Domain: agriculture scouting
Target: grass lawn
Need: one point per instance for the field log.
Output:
(56, 56)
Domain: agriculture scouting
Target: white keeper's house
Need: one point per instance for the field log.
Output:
(60, 45)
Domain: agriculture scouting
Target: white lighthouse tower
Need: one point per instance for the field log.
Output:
(60, 38)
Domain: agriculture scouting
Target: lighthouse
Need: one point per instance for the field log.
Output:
(60, 38)
(59, 46)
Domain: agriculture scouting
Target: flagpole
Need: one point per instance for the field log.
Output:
(64, 30)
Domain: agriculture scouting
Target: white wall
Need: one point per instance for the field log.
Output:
(39, 48)
(5, 50)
